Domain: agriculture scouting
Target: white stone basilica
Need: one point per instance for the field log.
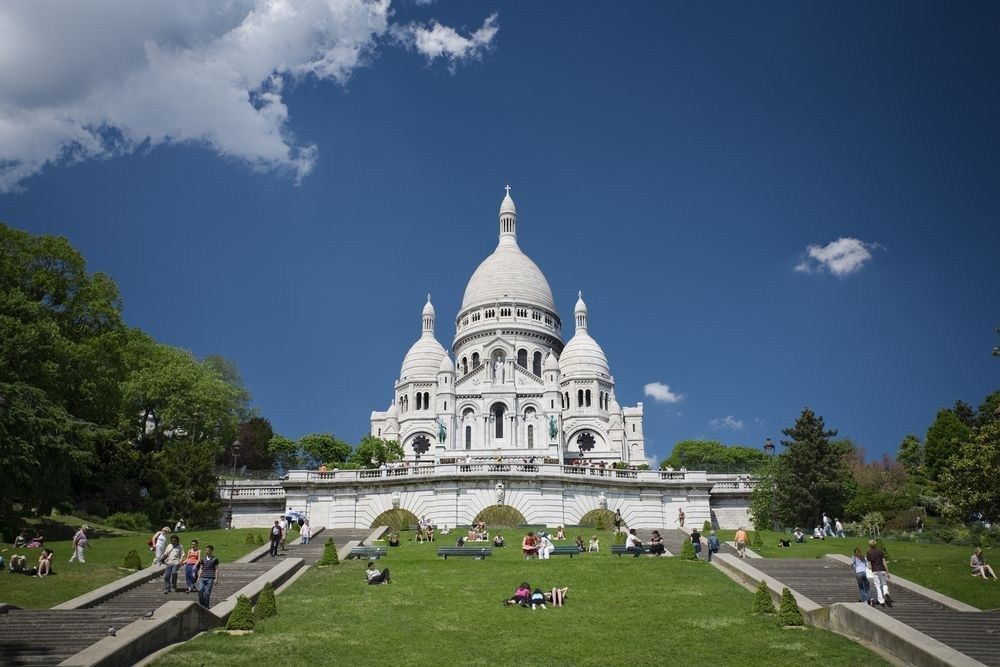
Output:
(514, 389)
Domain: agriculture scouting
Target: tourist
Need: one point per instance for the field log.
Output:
(159, 544)
(741, 543)
(179, 526)
(979, 566)
(80, 544)
(537, 599)
(633, 544)
(557, 597)
(36, 542)
(498, 540)
(783, 543)
(529, 547)
(275, 538)
(880, 572)
(45, 563)
(696, 542)
(305, 532)
(595, 544)
(375, 577)
(191, 560)
(713, 544)
(560, 534)
(21, 540)
(618, 521)
(579, 542)
(839, 528)
(394, 540)
(286, 527)
(827, 528)
(818, 533)
(656, 547)
(207, 575)
(800, 537)
(545, 545)
(461, 541)
(521, 595)
(680, 517)
(861, 574)
(430, 531)
(920, 524)
(172, 558)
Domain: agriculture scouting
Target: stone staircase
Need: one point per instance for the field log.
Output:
(47, 637)
(674, 538)
(826, 582)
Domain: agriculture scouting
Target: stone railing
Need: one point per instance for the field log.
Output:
(483, 468)
(261, 490)
(732, 484)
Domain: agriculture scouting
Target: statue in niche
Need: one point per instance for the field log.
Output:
(553, 427)
(501, 492)
(442, 431)
(602, 501)
(498, 370)
(395, 500)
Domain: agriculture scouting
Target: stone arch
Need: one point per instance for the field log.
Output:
(599, 518)
(396, 519)
(600, 441)
(419, 440)
(501, 516)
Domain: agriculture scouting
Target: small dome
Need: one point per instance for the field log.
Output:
(581, 307)
(583, 357)
(551, 363)
(446, 365)
(424, 359)
(507, 205)
(428, 307)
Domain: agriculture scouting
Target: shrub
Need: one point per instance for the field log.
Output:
(242, 616)
(619, 538)
(762, 602)
(687, 551)
(134, 521)
(707, 527)
(329, 554)
(250, 539)
(267, 606)
(757, 541)
(789, 613)
(881, 545)
(132, 561)
(260, 539)
(601, 519)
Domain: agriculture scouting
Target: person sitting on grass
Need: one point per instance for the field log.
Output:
(45, 563)
(18, 564)
(36, 542)
(579, 542)
(498, 540)
(818, 533)
(537, 599)
(394, 540)
(979, 566)
(520, 596)
(656, 547)
(460, 542)
(800, 537)
(430, 532)
(557, 597)
(560, 534)
(529, 547)
(595, 544)
(20, 540)
(375, 577)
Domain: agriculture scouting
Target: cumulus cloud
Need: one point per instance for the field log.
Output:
(841, 257)
(103, 78)
(728, 422)
(661, 393)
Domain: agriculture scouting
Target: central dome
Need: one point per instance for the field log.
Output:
(508, 274)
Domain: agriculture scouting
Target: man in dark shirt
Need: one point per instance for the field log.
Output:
(208, 573)
(876, 560)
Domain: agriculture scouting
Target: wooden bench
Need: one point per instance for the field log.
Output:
(371, 553)
(619, 549)
(479, 553)
(565, 551)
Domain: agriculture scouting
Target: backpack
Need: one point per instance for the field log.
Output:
(152, 541)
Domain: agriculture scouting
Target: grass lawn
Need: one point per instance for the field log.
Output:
(941, 567)
(619, 609)
(104, 560)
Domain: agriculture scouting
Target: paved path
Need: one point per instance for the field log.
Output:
(47, 637)
(825, 582)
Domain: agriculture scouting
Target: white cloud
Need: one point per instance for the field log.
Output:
(106, 77)
(727, 422)
(661, 393)
(841, 257)
(760, 422)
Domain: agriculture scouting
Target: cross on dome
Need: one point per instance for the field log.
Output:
(507, 188)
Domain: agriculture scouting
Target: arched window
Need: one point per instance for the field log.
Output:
(536, 364)
(427, 401)
(566, 401)
(579, 398)
(498, 412)
(475, 360)
(467, 413)
(522, 358)
(531, 437)
(468, 437)
(633, 428)
(465, 366)
(588, 398)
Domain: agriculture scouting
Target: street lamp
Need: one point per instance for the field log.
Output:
(769, 452)
(232, 485)
(768, 447)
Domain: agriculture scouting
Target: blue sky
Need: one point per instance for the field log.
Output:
(674, 161)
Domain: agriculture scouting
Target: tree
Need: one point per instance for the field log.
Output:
(965, 413)
(762, 497)
(788, 612)
(943, 438)
(325, 448)
(762, 602)
(879, 486)
(812, 473)
(713, 456)
(285, 452)
(254, 437)
(911, 454)
(183, 485)
(989, 410)
(227, 371)
(372, 452)
(971, 481)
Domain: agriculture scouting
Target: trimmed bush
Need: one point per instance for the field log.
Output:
(601, 519)
(687, 551)
(756, 541)
(250, 539)
(707, 527)
(260, 540)
(789, 613)
(267, 606)
(762, 602)
(619, 538)
(132, 561)
(134, 521)
(329, 554)
(242, 616)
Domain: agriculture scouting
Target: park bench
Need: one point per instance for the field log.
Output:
(620, 549)
(370, 553)
(566, 551)
(479, 553)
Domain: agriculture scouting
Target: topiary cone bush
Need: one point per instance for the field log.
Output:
(687, 551)
(329, 554)
(619, 538)
(707, 527)
(249, 539)
(757, 540)
(789, 613)
(762, 602)
(132, 561)
(260, 539)
(267, 606)
(242, 616)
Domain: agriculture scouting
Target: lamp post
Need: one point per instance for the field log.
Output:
(769, 452)
(232, 485)
(768, 447)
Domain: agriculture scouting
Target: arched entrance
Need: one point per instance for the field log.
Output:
(500, 516)
(397, 520)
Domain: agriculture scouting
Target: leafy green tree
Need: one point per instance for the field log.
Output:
(372, 452)
(971, 481)
(285, 452)
(965, 413)
(227, 371)
(989, 410)
(713, 456)
(812, 473)
(325, 448)
(943, 439)
(183, 486)
(254, 437)
(911, 454)
(762, 497)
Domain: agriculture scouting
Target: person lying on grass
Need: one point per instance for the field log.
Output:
(520, 597)
(537, 599)
(557, 596)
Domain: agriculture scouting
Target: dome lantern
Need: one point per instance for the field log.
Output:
(508, 219)
(428, 316)
(581, 313)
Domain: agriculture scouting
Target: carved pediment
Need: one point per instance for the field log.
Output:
(476, 377)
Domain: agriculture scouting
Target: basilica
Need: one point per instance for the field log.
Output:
(513, 388)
